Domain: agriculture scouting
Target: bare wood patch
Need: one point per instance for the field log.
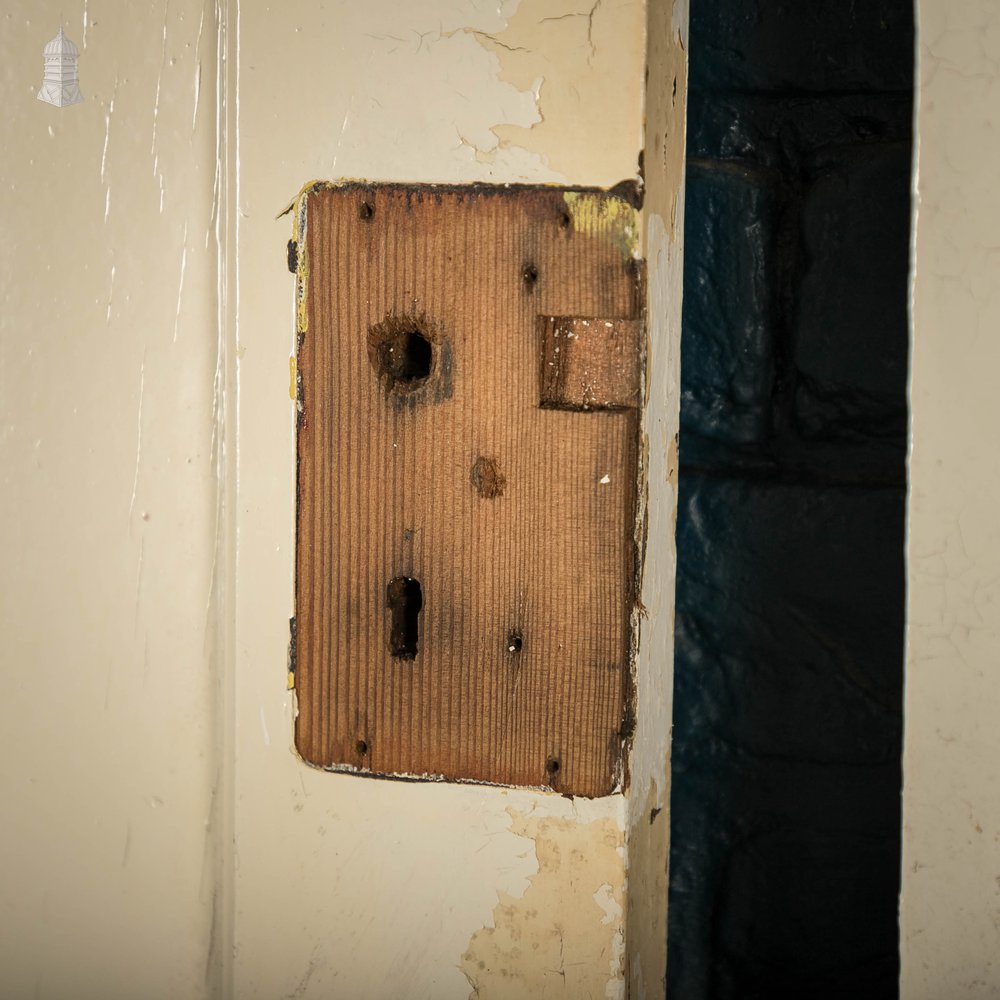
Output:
(465, 557)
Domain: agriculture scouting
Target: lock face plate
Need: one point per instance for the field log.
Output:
(466, 548)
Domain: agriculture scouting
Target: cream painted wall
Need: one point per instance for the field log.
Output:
(380, 889)
(161, 838)
(108, 351)
(950, 905)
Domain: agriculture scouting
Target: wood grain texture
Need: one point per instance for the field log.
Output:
(589, 363)
(423, 455)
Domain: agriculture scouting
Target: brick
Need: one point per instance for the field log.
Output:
(820, 45)
(786, 769)
(727, 349)
(810, 910)
(779, 130)
(789, 602)
(851, 333)
(781, 884)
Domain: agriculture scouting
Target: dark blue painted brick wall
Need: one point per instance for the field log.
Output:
(787, 724)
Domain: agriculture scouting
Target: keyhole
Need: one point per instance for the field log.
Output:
(405, 602)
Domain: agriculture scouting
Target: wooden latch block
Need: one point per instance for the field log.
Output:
(469, 371)
(589, 363)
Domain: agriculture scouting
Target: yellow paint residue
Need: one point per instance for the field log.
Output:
(565, 936)
(299, 222)
(599, 215)
(299, 208)
(291, 377)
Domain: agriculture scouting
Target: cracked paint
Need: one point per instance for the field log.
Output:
(575, 62)
(515, 92)
(564, 936)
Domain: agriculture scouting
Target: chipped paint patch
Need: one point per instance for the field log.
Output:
(564, 937)
(595, 215)
(648, 864)
(673, 462)
(562, 53)
(299, 227)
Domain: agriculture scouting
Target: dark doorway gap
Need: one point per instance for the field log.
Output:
(784, 868)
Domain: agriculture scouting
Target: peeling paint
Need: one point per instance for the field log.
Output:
(299, 227)
(557, 938)
(562, 56)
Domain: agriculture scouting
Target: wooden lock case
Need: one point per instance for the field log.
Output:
(469, 378)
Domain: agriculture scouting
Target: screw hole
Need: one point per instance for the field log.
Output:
(367, 210)
(486, 477)
(361, 747)
(514, 642)
(552, 766)
(564, 220)
(529, 275)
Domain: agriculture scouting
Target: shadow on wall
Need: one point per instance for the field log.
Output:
(788, 675)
